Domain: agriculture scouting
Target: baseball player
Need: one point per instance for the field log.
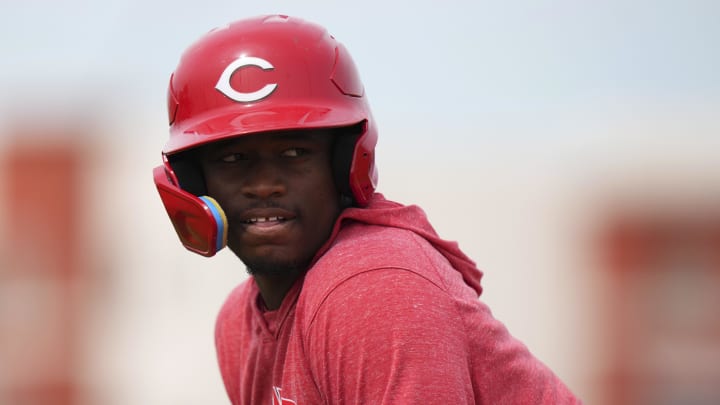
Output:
(353, 298)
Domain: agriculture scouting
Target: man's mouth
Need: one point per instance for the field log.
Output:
(262, 220)
(267, 226)
(266, 221)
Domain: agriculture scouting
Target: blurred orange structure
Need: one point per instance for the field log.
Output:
(664, 309)
(41, 270)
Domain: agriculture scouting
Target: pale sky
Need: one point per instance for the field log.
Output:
(472, 69)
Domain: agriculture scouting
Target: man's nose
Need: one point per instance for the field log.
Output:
(263, 180)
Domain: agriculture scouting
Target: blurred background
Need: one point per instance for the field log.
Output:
(571, 147)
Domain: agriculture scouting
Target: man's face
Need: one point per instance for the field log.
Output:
(278, 193)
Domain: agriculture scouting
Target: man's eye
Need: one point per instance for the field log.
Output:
(294, 152)
(233, 157)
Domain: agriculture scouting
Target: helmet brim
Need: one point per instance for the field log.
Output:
(231, 123)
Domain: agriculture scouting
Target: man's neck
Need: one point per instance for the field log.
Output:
(273, 289)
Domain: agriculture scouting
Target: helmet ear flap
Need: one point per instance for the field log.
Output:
(199, 222)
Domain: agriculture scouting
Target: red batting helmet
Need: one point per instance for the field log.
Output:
(263, 74)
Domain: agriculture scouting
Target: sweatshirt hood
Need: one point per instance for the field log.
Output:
(383, 212)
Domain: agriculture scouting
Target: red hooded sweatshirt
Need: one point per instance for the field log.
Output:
(387, 314)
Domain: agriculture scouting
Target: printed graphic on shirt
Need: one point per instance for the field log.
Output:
(279, 400)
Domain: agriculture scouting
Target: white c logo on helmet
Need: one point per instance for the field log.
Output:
(223, 84)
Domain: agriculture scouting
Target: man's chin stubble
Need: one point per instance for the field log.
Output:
(274, 269)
